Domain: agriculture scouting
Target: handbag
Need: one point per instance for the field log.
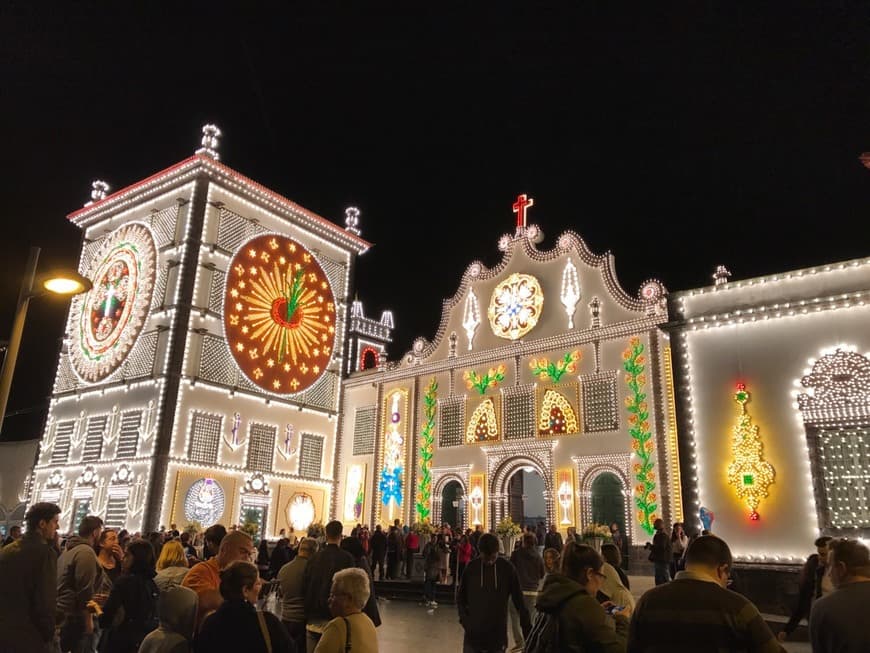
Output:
(265, 631)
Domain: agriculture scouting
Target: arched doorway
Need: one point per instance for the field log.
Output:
(608, 500)
(453, 505)
(368, 359)
(526, 503)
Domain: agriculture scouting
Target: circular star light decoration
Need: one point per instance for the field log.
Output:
(205, 502)
(107, 319)
(515, 306)
(279, 314)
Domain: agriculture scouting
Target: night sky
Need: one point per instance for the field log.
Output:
(677, 141)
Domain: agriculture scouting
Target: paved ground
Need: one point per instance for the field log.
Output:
(411, 626)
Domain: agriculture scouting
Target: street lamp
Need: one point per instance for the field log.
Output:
(60, 282)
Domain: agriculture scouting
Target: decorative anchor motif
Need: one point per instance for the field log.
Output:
(113, 426)
(149, 425)
(286, 449)
(136, 498)
(233, 441)
(471, 317)
(570, 291)
(519, 207)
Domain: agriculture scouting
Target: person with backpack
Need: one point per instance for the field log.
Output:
(134, 595)
(487, 584)
(570, 618)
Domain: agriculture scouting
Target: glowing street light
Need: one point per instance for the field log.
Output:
(61, 282)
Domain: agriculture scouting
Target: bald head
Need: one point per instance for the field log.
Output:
(235, 546)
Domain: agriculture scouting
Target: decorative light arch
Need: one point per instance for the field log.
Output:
(505, 460)
(362, 358)
(591, 467)
(444, 477)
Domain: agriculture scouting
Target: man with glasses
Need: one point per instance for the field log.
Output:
(697, 601)
(838, 621)
(204, 578)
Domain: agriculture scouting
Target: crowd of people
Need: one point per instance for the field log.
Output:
(107, 591)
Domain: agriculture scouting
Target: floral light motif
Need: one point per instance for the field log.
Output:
(427, 440)
(491, 379)
(642, 443)
(544, 369)
(110, 316)
(515, 306)
(749, 473)
(279, 314)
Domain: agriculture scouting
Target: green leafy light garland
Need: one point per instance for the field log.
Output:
(489, 380)
(543, 368)
(642, 443)
(427, 439)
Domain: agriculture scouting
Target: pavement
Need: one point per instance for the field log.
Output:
(410, 626)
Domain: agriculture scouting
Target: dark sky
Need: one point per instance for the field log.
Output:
(676, 140)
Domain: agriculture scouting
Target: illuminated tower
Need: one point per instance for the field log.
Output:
(199, 380)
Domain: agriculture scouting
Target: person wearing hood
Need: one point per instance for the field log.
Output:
(584, 623)
(78, 575)
(176, 610)
(136, 594)
(487, 584)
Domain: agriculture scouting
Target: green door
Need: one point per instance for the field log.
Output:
(608, 502)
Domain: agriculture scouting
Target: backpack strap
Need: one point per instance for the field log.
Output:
(347, 635)
(265, 631)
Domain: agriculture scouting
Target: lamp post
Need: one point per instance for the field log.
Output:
(60, 283)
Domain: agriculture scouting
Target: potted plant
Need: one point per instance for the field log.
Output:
(596, 534)
(424, 529)
(508, 531)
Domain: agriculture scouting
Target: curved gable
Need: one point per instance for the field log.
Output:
(593, 275)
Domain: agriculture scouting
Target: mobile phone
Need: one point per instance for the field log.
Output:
(615, 608)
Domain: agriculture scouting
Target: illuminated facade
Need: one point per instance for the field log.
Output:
(773, 387)
(527, 372)
(200, 379)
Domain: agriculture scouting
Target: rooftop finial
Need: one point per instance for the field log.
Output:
(99, 189)
(720, 276)
(351, 220)
(210, 136)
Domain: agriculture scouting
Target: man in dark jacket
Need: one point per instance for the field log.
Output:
(395, 544)
(78, 575)
(28, 572)
(811, 587)
(698, 602)
(317, 582)
(553, 539)
(530, 570)
(379, 551)
(660, 555)
(486, 586)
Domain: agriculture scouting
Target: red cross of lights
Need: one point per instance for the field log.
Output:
(523, 202)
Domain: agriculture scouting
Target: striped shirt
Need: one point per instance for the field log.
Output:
(694, 613)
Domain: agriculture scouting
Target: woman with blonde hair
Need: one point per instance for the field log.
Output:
(171, 565)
